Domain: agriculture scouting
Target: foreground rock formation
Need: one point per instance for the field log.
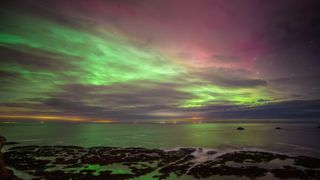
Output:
(74, 162)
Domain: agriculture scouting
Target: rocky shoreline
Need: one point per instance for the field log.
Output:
(73, 162)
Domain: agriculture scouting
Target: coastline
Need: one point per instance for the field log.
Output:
(141, 163)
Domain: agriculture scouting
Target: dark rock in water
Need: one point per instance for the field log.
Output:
(278, 128)
(11, 143)
(308, 162)
(288, 172)
(240, 128)
(72, 162)
(223, 170)
(211, 152)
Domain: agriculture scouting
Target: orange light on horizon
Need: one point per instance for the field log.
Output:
(52, 117)
(102, 121)
(196, 118)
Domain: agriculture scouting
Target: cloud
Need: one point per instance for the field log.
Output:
(298, 80)
(234, 82)
(307, 87)
(230, 77)
(120, 59)
(37, 60)
(274, 110)
(225, 58)
(139, 100)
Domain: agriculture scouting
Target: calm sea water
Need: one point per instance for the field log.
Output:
(301, 139)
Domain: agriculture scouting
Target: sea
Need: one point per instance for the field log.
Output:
(292, 138)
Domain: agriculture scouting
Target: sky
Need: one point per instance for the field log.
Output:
(159, 60)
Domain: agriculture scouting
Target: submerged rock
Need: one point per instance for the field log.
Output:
(240, 128)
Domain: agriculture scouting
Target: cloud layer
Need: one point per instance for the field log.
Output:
(159, 60)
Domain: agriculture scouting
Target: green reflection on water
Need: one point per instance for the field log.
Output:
(207, 135)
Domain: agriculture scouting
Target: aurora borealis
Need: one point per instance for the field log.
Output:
(171, 60)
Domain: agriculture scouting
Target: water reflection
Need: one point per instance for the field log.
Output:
(294, 138)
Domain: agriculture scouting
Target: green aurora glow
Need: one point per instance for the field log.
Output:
(90, 68)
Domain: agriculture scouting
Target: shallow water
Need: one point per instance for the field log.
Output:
(296, 139)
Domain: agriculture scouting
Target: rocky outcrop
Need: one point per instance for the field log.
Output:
(73, 162)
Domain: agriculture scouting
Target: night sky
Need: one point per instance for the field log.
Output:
(159, 60)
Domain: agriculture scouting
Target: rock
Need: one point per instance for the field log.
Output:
(240, 128)
(308, 162)
(211, 152)
(288, 172)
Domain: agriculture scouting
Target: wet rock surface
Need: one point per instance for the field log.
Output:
(75, 162)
